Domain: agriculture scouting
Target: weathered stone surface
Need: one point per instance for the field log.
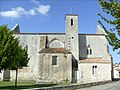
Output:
(77, 86)
(72, 43)
(40, 66)
(43, 42)
(103, 72)
(55, 73)
(98, 45)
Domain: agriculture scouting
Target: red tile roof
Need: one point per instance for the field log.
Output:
(93, 60)
(55, 50)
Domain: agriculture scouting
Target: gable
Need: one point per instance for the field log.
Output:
(55, 43)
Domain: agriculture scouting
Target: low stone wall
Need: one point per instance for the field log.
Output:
(75, 86)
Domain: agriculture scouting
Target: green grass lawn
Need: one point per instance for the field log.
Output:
(23, 85)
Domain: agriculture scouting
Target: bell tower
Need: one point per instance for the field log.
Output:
(72, 42)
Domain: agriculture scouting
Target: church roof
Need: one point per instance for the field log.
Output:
(71, 14)
(55, 50)
(93, 60)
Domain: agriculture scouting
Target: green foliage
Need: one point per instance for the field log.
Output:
(66, 81)
(12, 55)
(112, 8)
(25, 85)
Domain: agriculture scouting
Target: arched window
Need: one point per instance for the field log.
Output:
(89, 50)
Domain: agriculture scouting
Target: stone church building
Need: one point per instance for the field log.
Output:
(72, 56)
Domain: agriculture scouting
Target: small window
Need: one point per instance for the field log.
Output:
(71, 22)
(54, 60)
(87, 51)
(90, 51)
(94, 70)
(72, 37)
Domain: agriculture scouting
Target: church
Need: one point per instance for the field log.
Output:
(71, 56)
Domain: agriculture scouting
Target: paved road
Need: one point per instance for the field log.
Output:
(110, 86)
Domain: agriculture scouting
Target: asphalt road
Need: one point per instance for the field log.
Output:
(110, 86)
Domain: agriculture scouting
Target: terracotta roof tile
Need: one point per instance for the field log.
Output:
(93, 60)
(54, 50)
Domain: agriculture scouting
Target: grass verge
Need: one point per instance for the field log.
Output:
(23, 85)
(5, 85)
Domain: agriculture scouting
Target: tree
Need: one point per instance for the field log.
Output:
(12, 55)
(111, 8)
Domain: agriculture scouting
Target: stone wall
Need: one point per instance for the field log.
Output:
(116, 71)
(97, 43)
(32, 41)
(55, 73)
(1, 75)
(116, 74)
(39, 66)
(72, 43)
(56, 41)
(75, 86)
(102, 72)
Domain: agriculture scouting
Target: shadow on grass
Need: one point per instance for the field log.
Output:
(27, 86)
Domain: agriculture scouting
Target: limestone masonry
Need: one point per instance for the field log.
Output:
(69, 56)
